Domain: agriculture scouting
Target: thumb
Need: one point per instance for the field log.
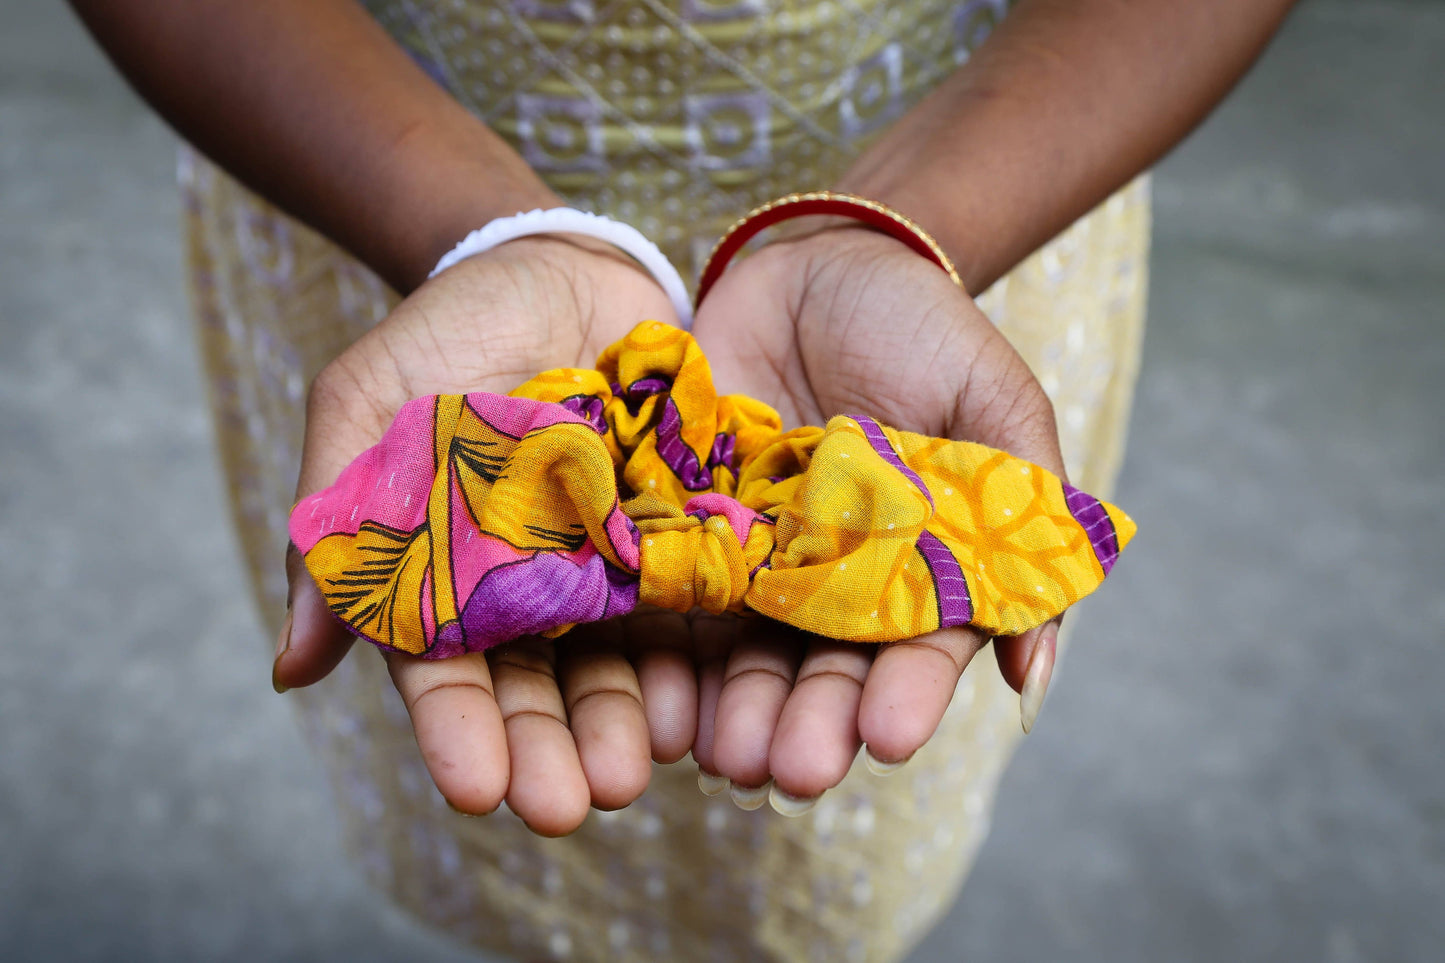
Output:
(1003, 406)
(1026, 662)
(312, 640)
(1000, 403)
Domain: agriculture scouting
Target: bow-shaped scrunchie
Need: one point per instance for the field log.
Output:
(479, 518)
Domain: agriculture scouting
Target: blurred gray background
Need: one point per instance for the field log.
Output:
(1241, 758)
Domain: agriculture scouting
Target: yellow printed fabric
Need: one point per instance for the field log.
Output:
(481, 518)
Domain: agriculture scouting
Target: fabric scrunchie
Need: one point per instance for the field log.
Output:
(480, 518)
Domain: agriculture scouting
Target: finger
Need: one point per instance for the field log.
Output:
(312, 640)
(714, 638)
(458, 727)
(604, 711)
(660, 646)
(547, 788)
(817, 733)
(908, 689)
(756, 685)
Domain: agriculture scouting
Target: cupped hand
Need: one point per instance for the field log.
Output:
(551, 727)
(850, 321)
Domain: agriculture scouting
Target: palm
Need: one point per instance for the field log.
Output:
(852, 322)
(553, 729)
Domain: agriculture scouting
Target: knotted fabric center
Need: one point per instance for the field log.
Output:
(699, 566)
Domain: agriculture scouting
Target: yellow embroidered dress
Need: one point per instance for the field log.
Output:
(676, 116)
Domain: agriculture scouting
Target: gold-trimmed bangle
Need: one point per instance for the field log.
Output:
(789, 206)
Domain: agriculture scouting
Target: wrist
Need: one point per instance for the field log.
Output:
(826, 254)
(915, 194)
(589, 233)
(841, 211)
(443, 185)
(578, 255)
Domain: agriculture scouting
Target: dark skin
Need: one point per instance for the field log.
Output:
(312, 105)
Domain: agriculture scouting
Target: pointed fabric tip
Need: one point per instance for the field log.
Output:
(1124, 526)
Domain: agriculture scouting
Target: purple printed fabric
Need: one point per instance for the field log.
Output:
(874, 433)
(589, 407)
(722, 450)
(1091, 515)
(955, 607)
(676, 453)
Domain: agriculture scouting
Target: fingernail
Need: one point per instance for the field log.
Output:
(751, 799)
(880, 768)
(283, 643)
(712, 785)
(1036, 680)
(790, 805)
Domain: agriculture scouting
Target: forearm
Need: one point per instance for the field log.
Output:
(312, 105)
(1064, 104)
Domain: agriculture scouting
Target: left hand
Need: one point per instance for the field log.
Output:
(848, 320)
(552, 727)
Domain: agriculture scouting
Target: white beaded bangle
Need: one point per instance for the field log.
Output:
(566, 220)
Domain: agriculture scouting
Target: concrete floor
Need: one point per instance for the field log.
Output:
(1241, 758)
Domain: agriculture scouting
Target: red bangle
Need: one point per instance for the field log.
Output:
(789, 206)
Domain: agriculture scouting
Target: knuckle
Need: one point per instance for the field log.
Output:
(850, 677)
(416, 678)
(602, 677)
(327, 389)
(526, 682)
(523, 659)
(952, 650)
(759, 674)
(610, 694)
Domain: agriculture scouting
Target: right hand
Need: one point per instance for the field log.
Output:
(840, 321)
(554, 728)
